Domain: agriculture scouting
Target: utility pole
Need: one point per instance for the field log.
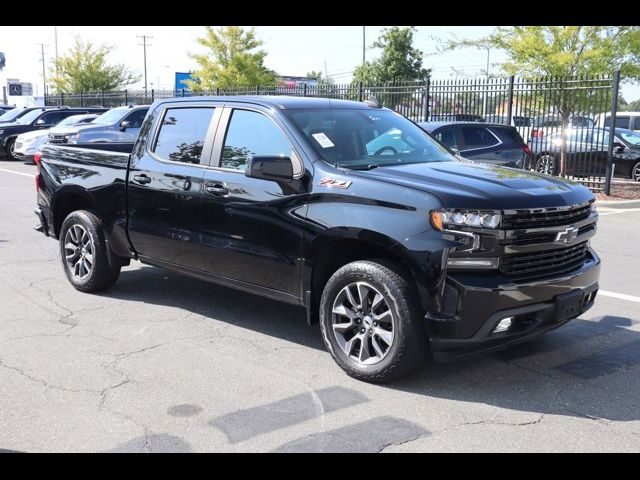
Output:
(326, 73)
(55, 32)
(486, 88)
(144, 48)
(364, 45)
(44, 75)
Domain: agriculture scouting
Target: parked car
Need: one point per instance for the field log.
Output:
(36, 119)
(491, 143)
(27, 144)
(628, 120)
(396, 247)
(587, 151)
(120, 124)
(549, 124)
(5, 108)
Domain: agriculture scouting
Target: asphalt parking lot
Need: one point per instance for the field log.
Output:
(164, 363)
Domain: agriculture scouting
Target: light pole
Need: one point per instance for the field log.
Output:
(144, 48)
(364, 47)
(486, 88)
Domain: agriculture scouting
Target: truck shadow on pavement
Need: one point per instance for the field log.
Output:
(587, 368)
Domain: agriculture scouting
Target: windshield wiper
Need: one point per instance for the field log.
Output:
(370, 166)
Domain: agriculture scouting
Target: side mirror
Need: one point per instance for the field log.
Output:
(40, 122)
(619, 147)
(270, 167)
(124, 125)
(454, 150)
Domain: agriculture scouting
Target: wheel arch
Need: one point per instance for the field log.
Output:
(67, 200)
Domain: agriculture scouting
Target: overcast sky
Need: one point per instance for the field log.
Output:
(291, 50)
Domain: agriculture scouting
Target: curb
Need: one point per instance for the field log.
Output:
(618, 203)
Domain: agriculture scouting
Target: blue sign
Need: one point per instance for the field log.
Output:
(180, 77)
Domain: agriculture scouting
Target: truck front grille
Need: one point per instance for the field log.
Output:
(551, 218)
(57, 139)
(544, 262)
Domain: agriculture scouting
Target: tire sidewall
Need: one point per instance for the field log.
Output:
(101, 263)
(393, 295)
(9, 154)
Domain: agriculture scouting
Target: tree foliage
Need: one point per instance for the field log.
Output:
(233, 59)
(322, 80)
(399, 61)
(84, 68)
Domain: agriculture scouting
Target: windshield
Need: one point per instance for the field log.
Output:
(630, 137)
(366, 138)
(11, 115)
(111, 117)
(28, 118)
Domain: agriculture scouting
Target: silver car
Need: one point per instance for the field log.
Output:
(120, 124)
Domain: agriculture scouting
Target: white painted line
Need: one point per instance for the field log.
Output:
(16, 173)
(620, 296)
(619, 211)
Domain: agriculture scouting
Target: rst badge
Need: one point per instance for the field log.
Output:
(334, 183)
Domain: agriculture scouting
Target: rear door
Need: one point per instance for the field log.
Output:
(512, 151)
(165, 182)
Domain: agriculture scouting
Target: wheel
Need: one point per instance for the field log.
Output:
(547, 164)
(10, 149)
(371, 321)
(635, 172)
(84, 253)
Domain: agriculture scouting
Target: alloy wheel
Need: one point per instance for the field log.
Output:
(636, 172)
(363, 323)
(546, 164)
(79, 251)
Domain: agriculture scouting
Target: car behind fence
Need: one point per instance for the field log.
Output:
(557, 117)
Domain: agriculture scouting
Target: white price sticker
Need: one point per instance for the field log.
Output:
(323, 140)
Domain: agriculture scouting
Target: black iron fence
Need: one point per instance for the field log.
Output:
(559, 118)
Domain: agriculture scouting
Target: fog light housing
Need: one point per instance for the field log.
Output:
(503, 325)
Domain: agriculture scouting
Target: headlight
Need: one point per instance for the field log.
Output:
(477, 219)
(70, 136)
(593, 207)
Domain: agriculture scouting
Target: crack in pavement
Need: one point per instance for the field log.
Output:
(43, 382)
(409, 440)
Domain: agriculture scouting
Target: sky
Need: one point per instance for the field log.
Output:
(291, 50)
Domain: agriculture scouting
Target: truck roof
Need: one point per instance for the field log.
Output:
(282, 102)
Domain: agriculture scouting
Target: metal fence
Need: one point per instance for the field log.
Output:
(557, 117)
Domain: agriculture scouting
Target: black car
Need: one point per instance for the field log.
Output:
(35, 119)
(5, 108)
(587, 151)
(492, 143)
(398, 248)
(14, 113)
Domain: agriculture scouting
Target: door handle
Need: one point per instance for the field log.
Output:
(142, 179)
(218, 190)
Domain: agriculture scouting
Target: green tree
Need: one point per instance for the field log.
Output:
(232, 60)
(399, 61)
(322, 80)
(565, 52)
(84, 68)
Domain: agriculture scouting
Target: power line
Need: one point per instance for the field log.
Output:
(144, 48)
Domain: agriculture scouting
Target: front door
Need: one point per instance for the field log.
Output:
(165, 185)
(252, 228)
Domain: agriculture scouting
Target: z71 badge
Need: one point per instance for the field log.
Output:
(333, 183)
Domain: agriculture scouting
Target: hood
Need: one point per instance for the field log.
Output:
(475, 185)
(78, 128)
(26, 137)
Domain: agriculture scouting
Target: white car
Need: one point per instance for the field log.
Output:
(28, 144)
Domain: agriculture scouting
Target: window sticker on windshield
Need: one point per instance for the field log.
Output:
(323, 140)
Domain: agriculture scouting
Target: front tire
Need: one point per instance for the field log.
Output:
(10, 149)
(371, 321)
(84, 253)
(635, 172)
(547, 164)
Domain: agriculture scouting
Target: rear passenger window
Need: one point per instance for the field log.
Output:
(448, 138)
(477, 137)
(250, 134)
(182, 134)
(636, 123)
(621, 122)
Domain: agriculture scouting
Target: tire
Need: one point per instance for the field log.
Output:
(547, 164)
(9, 149)
(635, 172)
(404, 325)
(84, 255)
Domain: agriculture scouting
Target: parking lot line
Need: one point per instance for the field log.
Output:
(618, 211)
(620, 296)
(16, 173)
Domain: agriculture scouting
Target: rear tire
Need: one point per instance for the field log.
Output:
(83, 249)
(547, 164)
(371, 304)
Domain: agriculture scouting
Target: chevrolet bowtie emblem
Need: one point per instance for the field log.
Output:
(567, 235)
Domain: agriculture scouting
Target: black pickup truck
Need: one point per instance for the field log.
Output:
(400, 249)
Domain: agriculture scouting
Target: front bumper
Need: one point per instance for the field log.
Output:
(479, 301)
